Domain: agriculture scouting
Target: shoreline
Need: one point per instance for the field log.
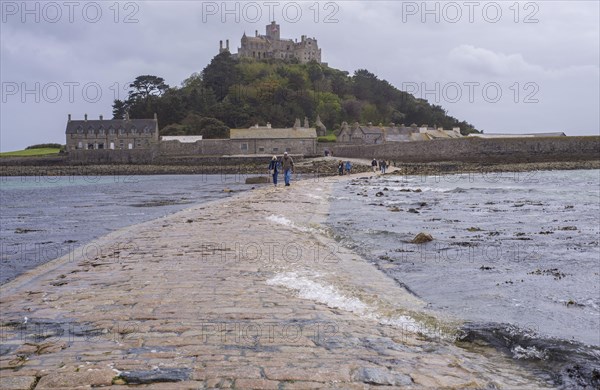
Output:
(180, 306)
(310, 167)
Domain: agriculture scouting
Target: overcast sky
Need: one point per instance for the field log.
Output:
(503, 66)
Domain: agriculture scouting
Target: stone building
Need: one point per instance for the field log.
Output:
(267, 140)
(369, 134)
(271, 45)
(112, 133)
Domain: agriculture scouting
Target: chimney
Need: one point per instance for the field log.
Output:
(69, 117)
(227, 42)
(256, 33)
(85, 117)
(220, 46)
(101, 117)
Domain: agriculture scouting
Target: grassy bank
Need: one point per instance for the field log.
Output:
(31, 152)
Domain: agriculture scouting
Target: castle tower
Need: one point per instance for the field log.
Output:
(273, 31)
(221, 48)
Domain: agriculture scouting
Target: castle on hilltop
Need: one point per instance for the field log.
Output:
(271, 45)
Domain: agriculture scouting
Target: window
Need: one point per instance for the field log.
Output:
(90, 130)
(261, 149)
(121, 131)
(146, 130)
(133, 130)
(101, 131)
(111, 131)
(244, 147)
(288, 150)
(101, 146)
(80, 130)
(275, 150)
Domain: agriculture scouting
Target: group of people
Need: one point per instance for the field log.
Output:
(383, 165)
(344, 168)
(286, 165)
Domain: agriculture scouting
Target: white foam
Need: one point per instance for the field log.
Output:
(330, 296)
(327, 295)
(281, 220)
(528, 353)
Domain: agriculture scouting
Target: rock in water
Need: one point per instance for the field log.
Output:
(422, 238)
(258, 180)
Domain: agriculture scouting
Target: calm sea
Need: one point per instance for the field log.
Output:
(43, 218)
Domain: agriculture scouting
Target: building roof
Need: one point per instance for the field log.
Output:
(139, 124)
(182, 138)
(271, 133)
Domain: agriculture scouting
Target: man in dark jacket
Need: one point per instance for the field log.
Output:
(374, 164)
(287, 164)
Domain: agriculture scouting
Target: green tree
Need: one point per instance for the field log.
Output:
(143, 87)
(220, 74)
(119, 109)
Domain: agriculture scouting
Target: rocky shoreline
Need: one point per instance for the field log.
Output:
(314, 167)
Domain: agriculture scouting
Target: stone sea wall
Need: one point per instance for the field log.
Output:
(499, 150)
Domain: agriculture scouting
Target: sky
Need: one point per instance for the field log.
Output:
(503, 66)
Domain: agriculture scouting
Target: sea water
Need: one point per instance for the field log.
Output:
(514, 255)
(43, 218)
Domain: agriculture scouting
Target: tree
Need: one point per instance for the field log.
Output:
(146, 86)
(119, 109)
(221, 74)
(315, 72)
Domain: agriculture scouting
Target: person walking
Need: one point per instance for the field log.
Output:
(374, 165)
(383, 166)
(348, 167)
(274, 166)
(340, 167)
(287, 164)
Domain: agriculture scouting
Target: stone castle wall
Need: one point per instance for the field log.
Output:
(460, 150)
(475, 150)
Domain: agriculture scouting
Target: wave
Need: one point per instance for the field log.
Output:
(331, 297)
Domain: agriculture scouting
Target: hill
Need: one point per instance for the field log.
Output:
(232, 93)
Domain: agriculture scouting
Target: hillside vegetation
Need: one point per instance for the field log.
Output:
(232, 93)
